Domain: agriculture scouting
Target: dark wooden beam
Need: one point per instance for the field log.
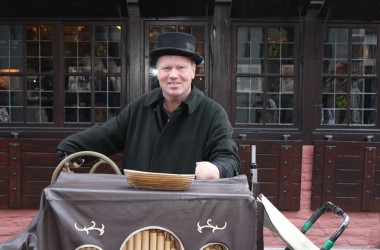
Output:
(374, 12)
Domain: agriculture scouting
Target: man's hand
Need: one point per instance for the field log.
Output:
(76, 163)
(206, 170)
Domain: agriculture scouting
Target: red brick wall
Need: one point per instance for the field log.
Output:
(362, 232)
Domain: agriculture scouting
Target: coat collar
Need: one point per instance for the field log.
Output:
(192, 102)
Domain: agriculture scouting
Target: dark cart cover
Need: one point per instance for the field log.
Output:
(103, 210)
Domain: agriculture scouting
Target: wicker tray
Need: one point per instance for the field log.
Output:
(158, 181)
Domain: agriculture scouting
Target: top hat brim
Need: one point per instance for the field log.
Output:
(156, 53)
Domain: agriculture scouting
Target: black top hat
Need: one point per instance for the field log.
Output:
(176, 43)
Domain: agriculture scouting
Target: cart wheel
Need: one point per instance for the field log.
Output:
(102, 159)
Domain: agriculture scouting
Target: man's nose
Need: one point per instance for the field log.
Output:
(173, 73)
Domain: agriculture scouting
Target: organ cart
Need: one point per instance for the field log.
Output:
(106, 211)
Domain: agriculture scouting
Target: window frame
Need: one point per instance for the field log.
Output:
(248, 127)
(93, 74)
(333, 128)
(59, 73)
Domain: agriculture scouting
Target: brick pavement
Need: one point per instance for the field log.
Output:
(13, 221)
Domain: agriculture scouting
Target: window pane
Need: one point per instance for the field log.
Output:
(27, 97)
(250, 50)
(266, 99)
(47, 49)
(336, 35)
(15, 49)
(40, 98)
(349, 97)
(249, 98)
(93, 73)
(363, 101)
(11, 48)
(199, 82)
(242, 115)
(11, 99)
(16, 114)
(364, 50)
(32, 102)
(77, 47)
(274, 66)
(107, 49)
(39, 48)
(335, 51)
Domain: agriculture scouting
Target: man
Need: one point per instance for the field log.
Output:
(172, 129)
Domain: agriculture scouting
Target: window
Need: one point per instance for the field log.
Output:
(11, 65)
(349, 77)
(40, 69)
(93, 72)
(35, 91)
(40, 83)
(198, 32)
(265, 75)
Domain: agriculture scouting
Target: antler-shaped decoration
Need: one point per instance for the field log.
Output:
(200, 228)
(88, 229)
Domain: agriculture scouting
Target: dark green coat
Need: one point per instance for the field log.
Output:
(198, 131)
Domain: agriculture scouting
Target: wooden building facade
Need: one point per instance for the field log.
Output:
(289, 73)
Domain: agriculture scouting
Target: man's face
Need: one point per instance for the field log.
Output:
(175, 74)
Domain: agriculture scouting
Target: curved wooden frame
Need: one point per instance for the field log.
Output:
(102, 159)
